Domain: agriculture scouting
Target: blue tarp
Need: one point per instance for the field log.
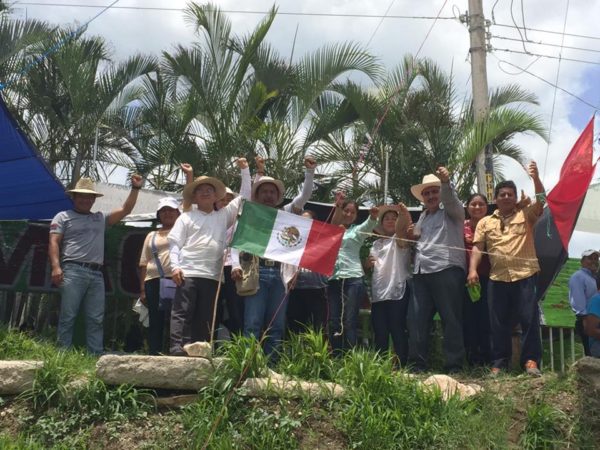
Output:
(28, 188)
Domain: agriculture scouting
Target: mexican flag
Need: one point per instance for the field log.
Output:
(288, 238)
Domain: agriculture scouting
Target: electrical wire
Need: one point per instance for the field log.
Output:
(509, 50)
(517, 26)
(539, 30)
(548, 44)
(380, 22)
(56, 47)
(525, 70)
(239, 11)
(556, 84)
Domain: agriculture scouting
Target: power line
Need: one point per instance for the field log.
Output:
(524, 70)
(380, 22)
(548, 44)
(239, 11)
(556, 83)
(509, 50)
(56, 47)
(550, 31)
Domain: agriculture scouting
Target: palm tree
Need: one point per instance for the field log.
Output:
(69, 99)
(424, 127)
(248, 100)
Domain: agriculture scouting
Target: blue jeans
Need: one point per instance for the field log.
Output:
(343, 310)
(82, 285)
(267, 309)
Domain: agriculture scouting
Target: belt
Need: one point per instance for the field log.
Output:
(92, 266)
(262, 262)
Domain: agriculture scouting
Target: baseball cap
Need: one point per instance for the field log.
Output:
(167, 202)
(590, 253)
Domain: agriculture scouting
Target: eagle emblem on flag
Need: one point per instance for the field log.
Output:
(289, 237)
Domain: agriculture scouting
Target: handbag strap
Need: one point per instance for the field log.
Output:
(161, 272)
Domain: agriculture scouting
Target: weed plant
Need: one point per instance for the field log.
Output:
(543, 428)
(244, 358)
(306, 355)
(384, 409)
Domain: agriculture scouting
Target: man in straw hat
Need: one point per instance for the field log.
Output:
(76, 253)
(269, 305)
(439, 271)
(508, 237)
(197, 243)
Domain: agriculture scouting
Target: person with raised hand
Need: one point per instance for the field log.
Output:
(345, 289)
(197, 242)
(438, 272)
(508, 237)
(390, 293)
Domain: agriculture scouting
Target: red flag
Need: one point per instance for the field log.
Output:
(567, 196)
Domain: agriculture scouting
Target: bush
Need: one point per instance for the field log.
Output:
(543, 428)
(306, 355)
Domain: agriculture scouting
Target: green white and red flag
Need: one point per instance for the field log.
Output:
(288, 238)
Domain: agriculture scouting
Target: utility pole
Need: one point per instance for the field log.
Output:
(481, 104)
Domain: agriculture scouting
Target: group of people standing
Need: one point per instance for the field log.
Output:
(477, 271)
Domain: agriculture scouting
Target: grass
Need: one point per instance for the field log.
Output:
(382, 408)
(557, 310)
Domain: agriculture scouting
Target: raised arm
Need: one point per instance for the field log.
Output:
(540, 193)
(403, 222)
(452, 205)
(340, 198)
(246, 184)
(188, 170)
(119, 214)
(307, 187)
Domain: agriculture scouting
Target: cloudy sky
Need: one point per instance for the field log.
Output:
(145, 30)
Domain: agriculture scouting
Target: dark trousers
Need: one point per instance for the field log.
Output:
(234, 304)
(306, 308)
(442, 292)
(476, 327)
(584, 337)
(389, 320)
(191, 315)
(343, 300)
(511, 303)
(156, 317)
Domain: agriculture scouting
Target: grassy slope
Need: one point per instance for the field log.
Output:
(556, 305)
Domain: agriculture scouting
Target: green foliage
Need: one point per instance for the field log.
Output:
(244, 359)
(229, 422)
(306, 355)
(19, 443)
(388, 410)
(543, 428)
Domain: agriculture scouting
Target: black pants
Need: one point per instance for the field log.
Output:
(156, 317)
(442, 292)
(476, 327)
(509, 303)
(306, 308)
(389, 320)
(584, 337)
(191, 315)
(234, 304)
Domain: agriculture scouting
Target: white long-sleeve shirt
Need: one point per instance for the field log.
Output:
(197, 240)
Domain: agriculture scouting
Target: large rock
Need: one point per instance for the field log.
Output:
(588, 372)
(160, 372)
(17, 376)
(198, 349)
(277, 385)
(449, 387)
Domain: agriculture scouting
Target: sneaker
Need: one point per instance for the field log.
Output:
(531, 368)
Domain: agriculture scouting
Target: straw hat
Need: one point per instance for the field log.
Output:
(85, 186)
(428, 180)
(264, 180)
(188, 190)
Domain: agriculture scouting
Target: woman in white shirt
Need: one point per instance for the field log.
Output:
(390, 293)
